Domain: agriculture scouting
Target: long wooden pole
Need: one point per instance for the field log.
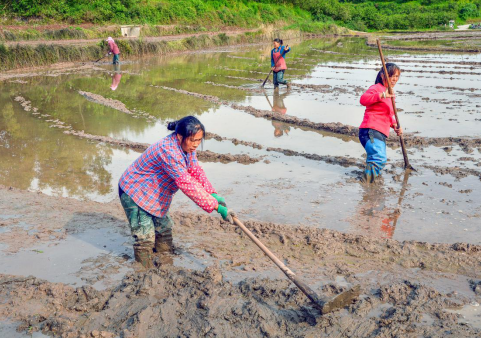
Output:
(401, 139)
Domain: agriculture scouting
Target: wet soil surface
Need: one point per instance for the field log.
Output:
(229, 291)
(66, 133)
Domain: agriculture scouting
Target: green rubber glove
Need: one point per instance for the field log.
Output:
(220, 199)
(224, 212)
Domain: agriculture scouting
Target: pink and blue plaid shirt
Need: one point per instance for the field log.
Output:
(153, 178)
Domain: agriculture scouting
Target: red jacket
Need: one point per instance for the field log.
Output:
(113, 48)
(379, 114)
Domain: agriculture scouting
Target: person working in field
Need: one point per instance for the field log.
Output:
(378, 119)
(278, 63)
(113, 49)
(147, 187)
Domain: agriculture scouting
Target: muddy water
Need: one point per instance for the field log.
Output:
(438, 93)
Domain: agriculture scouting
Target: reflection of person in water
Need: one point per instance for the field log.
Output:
(116, 76)
(374, 217)
(280, 108)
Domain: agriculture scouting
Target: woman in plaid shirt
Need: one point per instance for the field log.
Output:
(147, 187)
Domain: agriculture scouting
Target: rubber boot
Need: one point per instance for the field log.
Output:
(163, 242)
(143, 255)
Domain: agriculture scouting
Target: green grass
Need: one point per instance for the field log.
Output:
(241, 13)
(309, 15)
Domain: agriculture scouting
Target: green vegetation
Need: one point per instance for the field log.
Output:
(390, 15)
(308, 14)
(206, 13)
(22, 55)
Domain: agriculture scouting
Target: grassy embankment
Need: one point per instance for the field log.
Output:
(183, 16)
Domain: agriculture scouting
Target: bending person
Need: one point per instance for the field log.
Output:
(378, 119)
(113, 49)
(148, 185)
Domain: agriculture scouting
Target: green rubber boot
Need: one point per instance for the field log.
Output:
(143, 255)
(163, 242)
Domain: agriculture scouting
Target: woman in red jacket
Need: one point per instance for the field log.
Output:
(113, 49)
(378, 119)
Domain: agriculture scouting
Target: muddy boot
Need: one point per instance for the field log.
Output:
(143, 255)
(288, 84)
(163, 242)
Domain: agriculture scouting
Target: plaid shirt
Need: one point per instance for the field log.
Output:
(153, 178)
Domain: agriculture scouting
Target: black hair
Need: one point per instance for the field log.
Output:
(187, 127)
(278, 40)
(392, 68)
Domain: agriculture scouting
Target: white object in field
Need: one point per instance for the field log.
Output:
(130, 31)
(451, 23)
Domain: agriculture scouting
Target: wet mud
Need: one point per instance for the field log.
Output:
(339, 160)
(398, 294)
(335, 127)
(254, 90)
(371, 42)
(204, 305)
(234, 141)
(421, 71)
(50, 71)
(316, 88)
(204, 156)
(114, 104)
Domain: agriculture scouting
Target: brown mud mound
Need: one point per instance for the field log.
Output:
(111, 103)
(248, 89)
(202, 155)
(235, 141)
(317, 88)
(340, 160)
(179, 302)
(209, 156)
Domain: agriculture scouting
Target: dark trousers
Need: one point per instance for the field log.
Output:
(278, 78)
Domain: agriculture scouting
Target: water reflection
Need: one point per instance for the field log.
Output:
(116, 76)
(374, 217)
(278, 106)
(34, 153)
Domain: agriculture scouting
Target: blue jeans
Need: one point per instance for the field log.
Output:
(278, 78)
(374, 143)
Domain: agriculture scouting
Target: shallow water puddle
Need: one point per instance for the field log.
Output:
(9, 329)
(94, 256)
(469, 314)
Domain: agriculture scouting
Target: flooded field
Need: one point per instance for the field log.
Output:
(290, 157)
(438, 96)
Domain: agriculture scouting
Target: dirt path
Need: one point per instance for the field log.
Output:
(88, 42)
